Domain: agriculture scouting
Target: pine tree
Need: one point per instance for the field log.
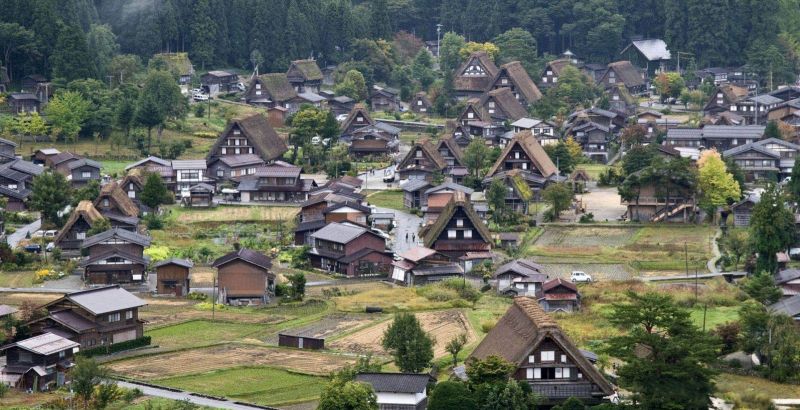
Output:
(380, 26)
(71, 58)
(204, 33)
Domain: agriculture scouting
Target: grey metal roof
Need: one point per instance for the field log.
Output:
(450, 186)
(22, 96)
(241, 160)
(526, 122)
(105, 299)
(72, 320)
(653, 49)
(175, 261)
(127, 236)
(765, 99)
(312, 97)
(524, 267)
(7, 142)
(49, 151)
(789, 307)
(749, 147)
(188, 164)
(733, 131)
(390, 129)
(396, 382)
(684, 133)
(278, 171)
(26, 166)
(247, 255)
(6, 310)
(157, 160)
(787, 275)
(84, 162)
(415, 185)
(343, 99)
(452, 268)
(339, 233)
(17, 194)
(46, 344)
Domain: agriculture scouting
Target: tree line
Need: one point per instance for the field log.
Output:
(762, 34)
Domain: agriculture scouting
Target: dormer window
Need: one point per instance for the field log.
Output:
(470, 115)
(491, 104)
(504, 81)
(468, 233)
(516, 154)
(418, 154)
(236, 132)
(459, 222)
(258, 86)
(549, 72)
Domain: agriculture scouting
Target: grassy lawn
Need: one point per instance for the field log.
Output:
(112, 167)
(16, 279)
(650, 248)
(260, 385)
(390, 299)
(387, 199)
(202, 332)
(731, 383)
(593, 170)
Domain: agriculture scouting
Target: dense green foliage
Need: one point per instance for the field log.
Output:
(763, 34)
(771, 229)
(410, 346)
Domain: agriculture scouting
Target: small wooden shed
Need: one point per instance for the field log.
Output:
(300, 342)
(173, 276)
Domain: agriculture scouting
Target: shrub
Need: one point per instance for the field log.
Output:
(199, 110)
(465, 290)
(282, 289)
(437, 294)
(460, 303)
(586, 218)
(197, 296)
(488, 325)
(153, 222)
(117, 347)
(45, 274)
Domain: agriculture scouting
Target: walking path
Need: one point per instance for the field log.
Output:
(21, 233)
(712, 263)
(186, 396)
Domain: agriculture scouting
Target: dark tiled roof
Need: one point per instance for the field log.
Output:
(396, 382)
(524, 267)
(247, 255)
(310, 225)
(84, 162)
(117, 233)
(787, 275)
(241, 160)
(554, 283)
(105, 299)
(72, 320)
(136, 259)
(339, 233)
(175, 261)
(788, 307)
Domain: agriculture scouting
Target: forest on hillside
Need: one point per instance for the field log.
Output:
(765, 34)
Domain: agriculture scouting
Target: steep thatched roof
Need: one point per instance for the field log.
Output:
(522, 80)
(307, 68)
(451, 144)
(178, 62)
(84, 209)
(114, 193)
(558, 65)
(428, 149)
(458, 201)
(532, 149)
(475, 83)
(506, 102)
(522, 329)
(268, 145)
(277, 86)
(626, 73)
(357, 109)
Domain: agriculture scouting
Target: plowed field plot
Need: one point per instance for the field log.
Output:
(226, 356)
(441, 325)
(201, 332)
(161, 311)
(328, 327)
(580, 237)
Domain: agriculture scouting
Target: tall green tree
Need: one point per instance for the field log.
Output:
(422, 68)
(86, 376)
(451, 395)
(71, 58)
(353, 85)
(717, 186)
(380, 26)
(347, 395)
(771, 229)
(449, 47)
(496, 198)
(154, 192)
(476, 158)
(559, 196)
(793, 187)
(667, 359)
(411, 347)
(773, 337)
(50, 193)
(67, 113)
(761, 287)
(517, 44)
(102, 47)
(204, 32)
(16, 39)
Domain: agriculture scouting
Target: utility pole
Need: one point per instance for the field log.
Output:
(213, 295)
(686, 257)
(438, 44)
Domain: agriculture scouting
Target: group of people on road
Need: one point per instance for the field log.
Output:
(413, 237)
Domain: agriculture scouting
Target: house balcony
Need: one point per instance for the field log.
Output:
(564, 389)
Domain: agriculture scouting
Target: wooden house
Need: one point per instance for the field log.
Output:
(621, 101)
(420, 104)
(233, 167)
(341, 104)
(248, 135)
(73, 233)
(347, 212)
(244, 277)
(652, 54)
(16, 199)
(384, 99)
(413, 191)
(543, 355)
(272, 90)
(398, 390)
(769, 159)
(559, 295)
(301, 340)
(94, 317)
(502, 106)
(474, 76)
(305, 76)
(23, 103)
(521, 277)
(420, 265)
(132, 186)
(453, 156)
(421, 162)
(280, 183)
(17, 174)
(7, 150)
(458, 230)
(623, 72)
(115, 256)
(173, 276)
(789, 282)
(724, 97)
(552, 71)
(358, 118)
(350, 250)
(151, 161)
(514, 77)
(726, 137)
(219, 82)
(188, 173)
(743, 210)
(276, 116)
(200, 196)
(31, 81)
(435, 199)
(369, 148)
(113, 200)
(544, 131)
(651, 204)
(41, 155)
(789, 306)
(522, 164)
(39, 363)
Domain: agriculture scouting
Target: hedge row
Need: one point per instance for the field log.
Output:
(117, 347)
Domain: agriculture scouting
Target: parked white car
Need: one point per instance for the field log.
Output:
(341, 117)
(580, 277)
(200, 97)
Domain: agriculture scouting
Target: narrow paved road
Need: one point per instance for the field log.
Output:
(20, 234)
(183, 396)
(712, 263)
(405, 223)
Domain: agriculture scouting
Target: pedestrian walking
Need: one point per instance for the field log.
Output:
(406, 236)
(413, 237)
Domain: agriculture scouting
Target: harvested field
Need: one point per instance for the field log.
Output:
(202, 276)
(236, 214)
(16, 299)
(327, 327)
(201, 332)
(195, 361)
(163, 311)
(597, 270)
(441, 325)
(580, 237)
